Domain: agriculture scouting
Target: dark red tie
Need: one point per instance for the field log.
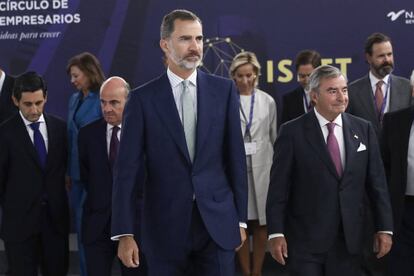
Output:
(379, 97)
(113, 146)
(333, 148)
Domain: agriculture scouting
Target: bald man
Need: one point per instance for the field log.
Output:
(98, 147)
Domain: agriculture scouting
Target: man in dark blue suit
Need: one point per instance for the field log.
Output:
(98, 147)
(183, 131)
(324, 163)
(33, 156)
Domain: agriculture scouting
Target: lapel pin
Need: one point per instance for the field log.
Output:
(355, 136)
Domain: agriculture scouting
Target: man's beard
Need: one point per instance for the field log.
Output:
(384, 69)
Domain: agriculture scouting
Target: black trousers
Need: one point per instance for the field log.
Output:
(47, 250)
(101, 253)
(336, 262)
(401, 259)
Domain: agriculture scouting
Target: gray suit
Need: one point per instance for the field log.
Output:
(361, 98)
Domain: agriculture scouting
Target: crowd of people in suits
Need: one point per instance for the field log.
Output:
(174, 176)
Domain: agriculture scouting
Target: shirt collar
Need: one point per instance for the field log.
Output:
(176, 80)
(110, 127)
(323, 121)
(27, 122)
(373, 79)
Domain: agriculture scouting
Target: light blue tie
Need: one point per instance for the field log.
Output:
(189, 118)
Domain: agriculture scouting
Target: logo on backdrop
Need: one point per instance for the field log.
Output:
(405, 16)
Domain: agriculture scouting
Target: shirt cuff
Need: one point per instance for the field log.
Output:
(275, 235)
(243, 225)
(117, 237)
(386, 232)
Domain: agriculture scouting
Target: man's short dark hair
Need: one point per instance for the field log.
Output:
(305, 57)
(167, 25)
(29, 82)
(374, 39)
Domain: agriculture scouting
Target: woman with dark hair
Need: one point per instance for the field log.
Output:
(84, 107)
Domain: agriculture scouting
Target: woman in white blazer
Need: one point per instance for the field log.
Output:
(259, 124)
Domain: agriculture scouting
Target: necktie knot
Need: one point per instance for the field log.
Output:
(35, 126)
(115, 130)
(185, 85)
(331, 127)
(380, 83)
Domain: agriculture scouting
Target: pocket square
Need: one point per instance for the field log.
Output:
(361, 147)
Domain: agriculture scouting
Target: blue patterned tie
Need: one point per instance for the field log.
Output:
(39, 144)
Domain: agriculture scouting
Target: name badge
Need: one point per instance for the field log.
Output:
(250, 148)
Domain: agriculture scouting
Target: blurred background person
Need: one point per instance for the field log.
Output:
(298, 102)
(258, 120)
(7, 108)
(84, 107)
(98, 149)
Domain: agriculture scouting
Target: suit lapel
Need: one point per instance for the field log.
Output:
(317, 142)
(25, 139)
(205, 102)
(166, 108)
(352, 141)
(367, 99)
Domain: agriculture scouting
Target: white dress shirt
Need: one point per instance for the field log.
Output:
(42, 128)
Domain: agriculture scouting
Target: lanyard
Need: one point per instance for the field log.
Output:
(248, 122)
(308, 105)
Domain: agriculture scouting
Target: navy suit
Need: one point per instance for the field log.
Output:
(153, 141)
(309, 202)
(95, 172)
(293, 105)
(35, 207)
(7, 107)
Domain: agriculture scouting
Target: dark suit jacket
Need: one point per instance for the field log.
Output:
(293, 105)
(153, 136)
(7, 107)
(23, 183)
(95, 171)
(395, 140)
(307, 200)
(361, 99)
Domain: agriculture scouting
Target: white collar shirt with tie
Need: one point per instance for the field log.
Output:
(109, 129)
(338, 131)
(176, 86)
(385, 88)
(42, 128)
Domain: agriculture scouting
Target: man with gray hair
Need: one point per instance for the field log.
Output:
(98, 147)
(324, 162)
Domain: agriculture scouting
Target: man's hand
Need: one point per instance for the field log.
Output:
(382, 244)
(242, 237)
(278, 249)
(128, 251)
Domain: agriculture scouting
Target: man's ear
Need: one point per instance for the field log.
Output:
(314, 97)
(164, 45)
(15, 101)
